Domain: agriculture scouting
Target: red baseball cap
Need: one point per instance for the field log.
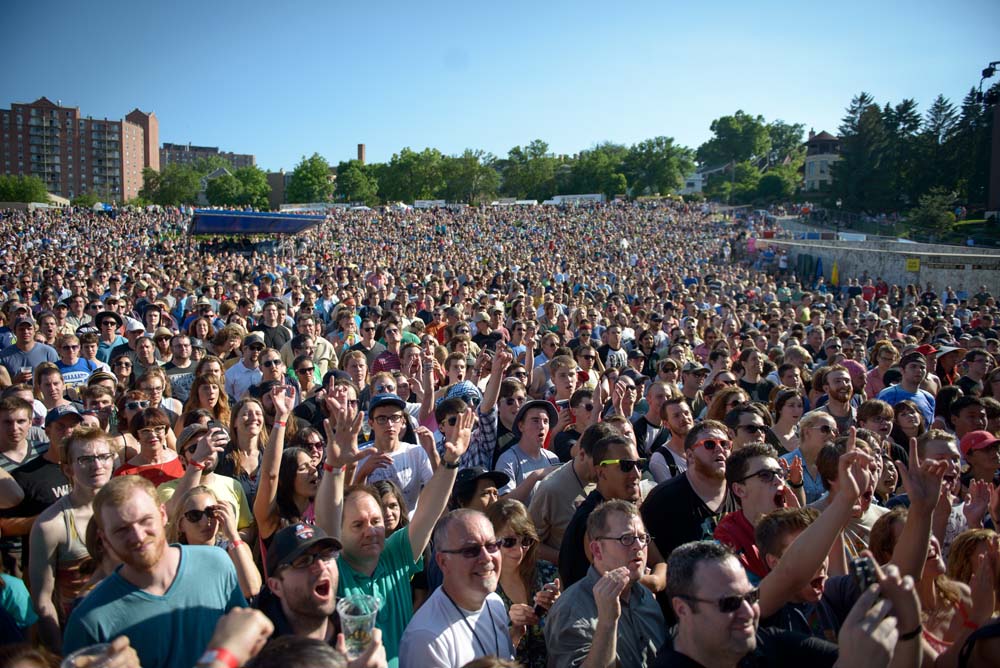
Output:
(926, 349)
(976, 440)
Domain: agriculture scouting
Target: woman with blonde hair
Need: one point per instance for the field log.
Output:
(525, 580)
(200, 519)
(243, 455)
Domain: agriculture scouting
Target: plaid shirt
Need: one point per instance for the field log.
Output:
(483, 443)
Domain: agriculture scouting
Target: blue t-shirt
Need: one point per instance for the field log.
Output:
(169, 631)
(77, 374)
(813, 487)
(923, 399)
(391, 584)
(13, 358)
(14, 598)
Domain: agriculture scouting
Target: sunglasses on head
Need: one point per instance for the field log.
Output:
(729, 604)
(136, 405)
(713, 443)
(625, 465)
(473, 551)
(511, 541)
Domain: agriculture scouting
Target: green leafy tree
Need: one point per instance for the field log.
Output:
(740, 137)
(310, 181)
(85, 200)
(254, 188)
(173, 185)
(530, 172)
(777, 185)
(860, 177)
(210, 163)
(971, 138)
(599, 170)
(657, 165)
(225, 190)
(934, 211)
(22, 189)
(786, 142)
(470, 177)
(356, 183)
(409, 176)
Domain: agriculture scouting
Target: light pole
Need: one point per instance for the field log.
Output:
(839, 203)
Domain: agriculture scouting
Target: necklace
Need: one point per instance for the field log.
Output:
(475, 636)
(578, 481)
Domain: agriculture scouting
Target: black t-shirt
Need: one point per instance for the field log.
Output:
(275, 337)
(774, 648)
(759, 391)
(43, 483)
(562, 444)
(674, 515)
(573, 563)
(822, 619)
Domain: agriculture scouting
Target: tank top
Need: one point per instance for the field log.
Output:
(73, 562)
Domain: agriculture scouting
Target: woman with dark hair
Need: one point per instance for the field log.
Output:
(395, 513)
(288, 478)
(908, 423)
(787, 409)
(201, 328)
(525, 580)
(311, 440)
(948, 395)
(212, 367)
(129, 406)
(155, 462)
(121, 366)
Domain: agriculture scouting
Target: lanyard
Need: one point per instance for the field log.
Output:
(496, 639)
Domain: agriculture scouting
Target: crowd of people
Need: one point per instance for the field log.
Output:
(607, 435)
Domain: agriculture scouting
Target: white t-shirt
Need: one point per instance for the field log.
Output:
(659, 465)
(411, 470)
(440, 635)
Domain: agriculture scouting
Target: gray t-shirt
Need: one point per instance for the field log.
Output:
(517, 464)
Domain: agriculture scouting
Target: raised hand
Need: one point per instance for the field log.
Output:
(795, 470)
(212, 442)
(921, 480)
(548, 594)
(501, 361)
(607, 592)
(426, 438)
(977, 502)
(224, 515)
(283, 403)
(243, 632)
(454, 449)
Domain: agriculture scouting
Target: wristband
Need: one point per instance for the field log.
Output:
(449, 465)
(200, 467)
(235, 544)
(219, 655)
(903, 637)
(333, 469)
(795, 486)
(282, 423)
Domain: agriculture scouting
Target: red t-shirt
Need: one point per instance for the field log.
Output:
(736, 531)
(155, 473)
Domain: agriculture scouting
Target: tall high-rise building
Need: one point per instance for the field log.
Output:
(74, 155)
(185, 154)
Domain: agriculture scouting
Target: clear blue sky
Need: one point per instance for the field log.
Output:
(283, 79)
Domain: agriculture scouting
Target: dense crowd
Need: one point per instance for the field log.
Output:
(613, 435)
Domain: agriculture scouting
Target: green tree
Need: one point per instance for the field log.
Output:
(786, 142)
(310, 181)
(470, 177)
(356, 183)
(409, 176)
(971, 139)
(255, 189)
(599, 170)
(934, 211)
(529, 172)
(85, 200)
(740, 137)
(860, 176)
(22, 189)
(178, 184)
(777, 185)
(657, 165)
(225, 190)
(210, 163)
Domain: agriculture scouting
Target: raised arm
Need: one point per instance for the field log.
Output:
(501, 361)
(341, 452)
(806, 554)
(213, 441)
(265, 508)
(427, 380)
(922, 481)
(434, 497)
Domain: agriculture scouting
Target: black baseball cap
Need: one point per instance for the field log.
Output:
(292, 541)
(467, 479)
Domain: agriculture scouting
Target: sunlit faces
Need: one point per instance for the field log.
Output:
(731, 632)
(90, 463)
(250, 419)
(710, 462)
(565, 381)
(470, 576)
(762, 489)
(135, 530)
(363, 533)
(615, 483)
(946, 451)
(534, 426)
(679, 418)
(198, 522)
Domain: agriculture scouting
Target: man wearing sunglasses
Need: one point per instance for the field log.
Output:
(246, 373)
(464, 618)
(609, 617)
(746, 425)
(689, 506)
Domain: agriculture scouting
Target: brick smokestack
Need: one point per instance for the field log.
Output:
(361, 153)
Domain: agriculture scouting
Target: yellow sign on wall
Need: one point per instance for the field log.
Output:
(913, 264)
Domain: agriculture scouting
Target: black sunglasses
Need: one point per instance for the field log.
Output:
(625, 465)
(754, 428)
(729, 604)
(196, 515)
(766, 476)
(270, 363)
(305, 369)
(511, 541)
(473, 551)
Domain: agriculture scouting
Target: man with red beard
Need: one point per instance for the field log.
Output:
(689, 506)
(839, 391)
(608, 618)
(464, 618)
(757, 482)
(166, 599)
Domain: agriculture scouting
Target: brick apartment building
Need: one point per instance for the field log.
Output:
(185, 154)
(73, 154)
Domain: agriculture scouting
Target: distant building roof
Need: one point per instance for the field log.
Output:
(822, 136)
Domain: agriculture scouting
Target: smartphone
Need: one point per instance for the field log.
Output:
(539, 610)
(289, 391)
(864, 572)
(562, 404)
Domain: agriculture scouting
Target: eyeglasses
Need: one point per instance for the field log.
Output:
(464, 330)
(729, 604)
(385, 388)
(136, 405)
(629, 387)
(90, 460)
(514, 401)
(713, 443)
(590, 358)
(152, 431)
(194, 516)
(383, 420)
(70, 347)
(305, 369)
(123, 364)
(108, 323)
(152, 388)
(766, 476)
(270, 363)
(586, 407)
(310, 558)
(625, 465)
(314, 445)
(629, 539)
(511, 541)
(258, 348)
(754, 428)
(473, 551)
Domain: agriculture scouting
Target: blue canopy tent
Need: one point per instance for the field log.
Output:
(210, 221)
